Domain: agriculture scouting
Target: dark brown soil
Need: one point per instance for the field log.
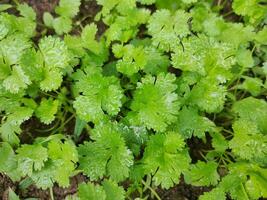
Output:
(182, 192)
(33, 192)
(5, 184)
(41, 6)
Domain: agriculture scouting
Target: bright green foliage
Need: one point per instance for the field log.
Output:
(68, 8)
(56, 59)
(134, 136)
(254, 111)
(133, 58)
(31, 62)
(88, 38)
(47, 110)
(166, 29)
(244, 181)
(31, 158)
(108, 191)
(202, 173)
(107, 155)
(191, 123)
(27, 11)
(248, 143)
(91, 191)
(12, 47)
(123, 28)
(155, 105)
(55, 52)
(208, 96)
(122, 6)
(219, 143)
(244, 58)
(252, 85)
(8, 164)
(217, 194)
(113, 191)
(12, 195)
(159, 91)
(165, 158)
(250, 9)
(203, 55)
(100, 94)
(17, 80)
(64, 156)
(147, 2)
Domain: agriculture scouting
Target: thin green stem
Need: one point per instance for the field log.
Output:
(51, 193)
(227, 131)
(152, 190)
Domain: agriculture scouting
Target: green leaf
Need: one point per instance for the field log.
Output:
(155, 105)
(45, 177)
(251, 9)
(61, 25)
(253, 110)
(4, 7)
(52, 80)
(191, 123)
(261, 36)
(248, 143)
(166, 29)
(47, 110)
(100, 94)
(26, 11)
(55, 52)
(107, 191)
(107, 155)
(253, 85)
(165, 158)
(79, 126)
(125, 27)
(48, 19)
(88, 37)
(244, 58)
(216, 193)
(123, 6)
(19, 115)
(64, 157)
(256, 186)
(91, 191)
(219, 143)
(17, 81)
(31, 158)
(12, 195)
(147, 2)
(113, 191)
(133, 58)
(203, 55)
(31, 62)
(208, 96)
(68, 8)
(12, 47)
(202, 174)
(135, 137)
(8, 162)
(9, 133)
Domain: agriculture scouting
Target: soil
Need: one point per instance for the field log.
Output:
(86, 15)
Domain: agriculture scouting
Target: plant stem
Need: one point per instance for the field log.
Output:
(51, 193)
(152, 190)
